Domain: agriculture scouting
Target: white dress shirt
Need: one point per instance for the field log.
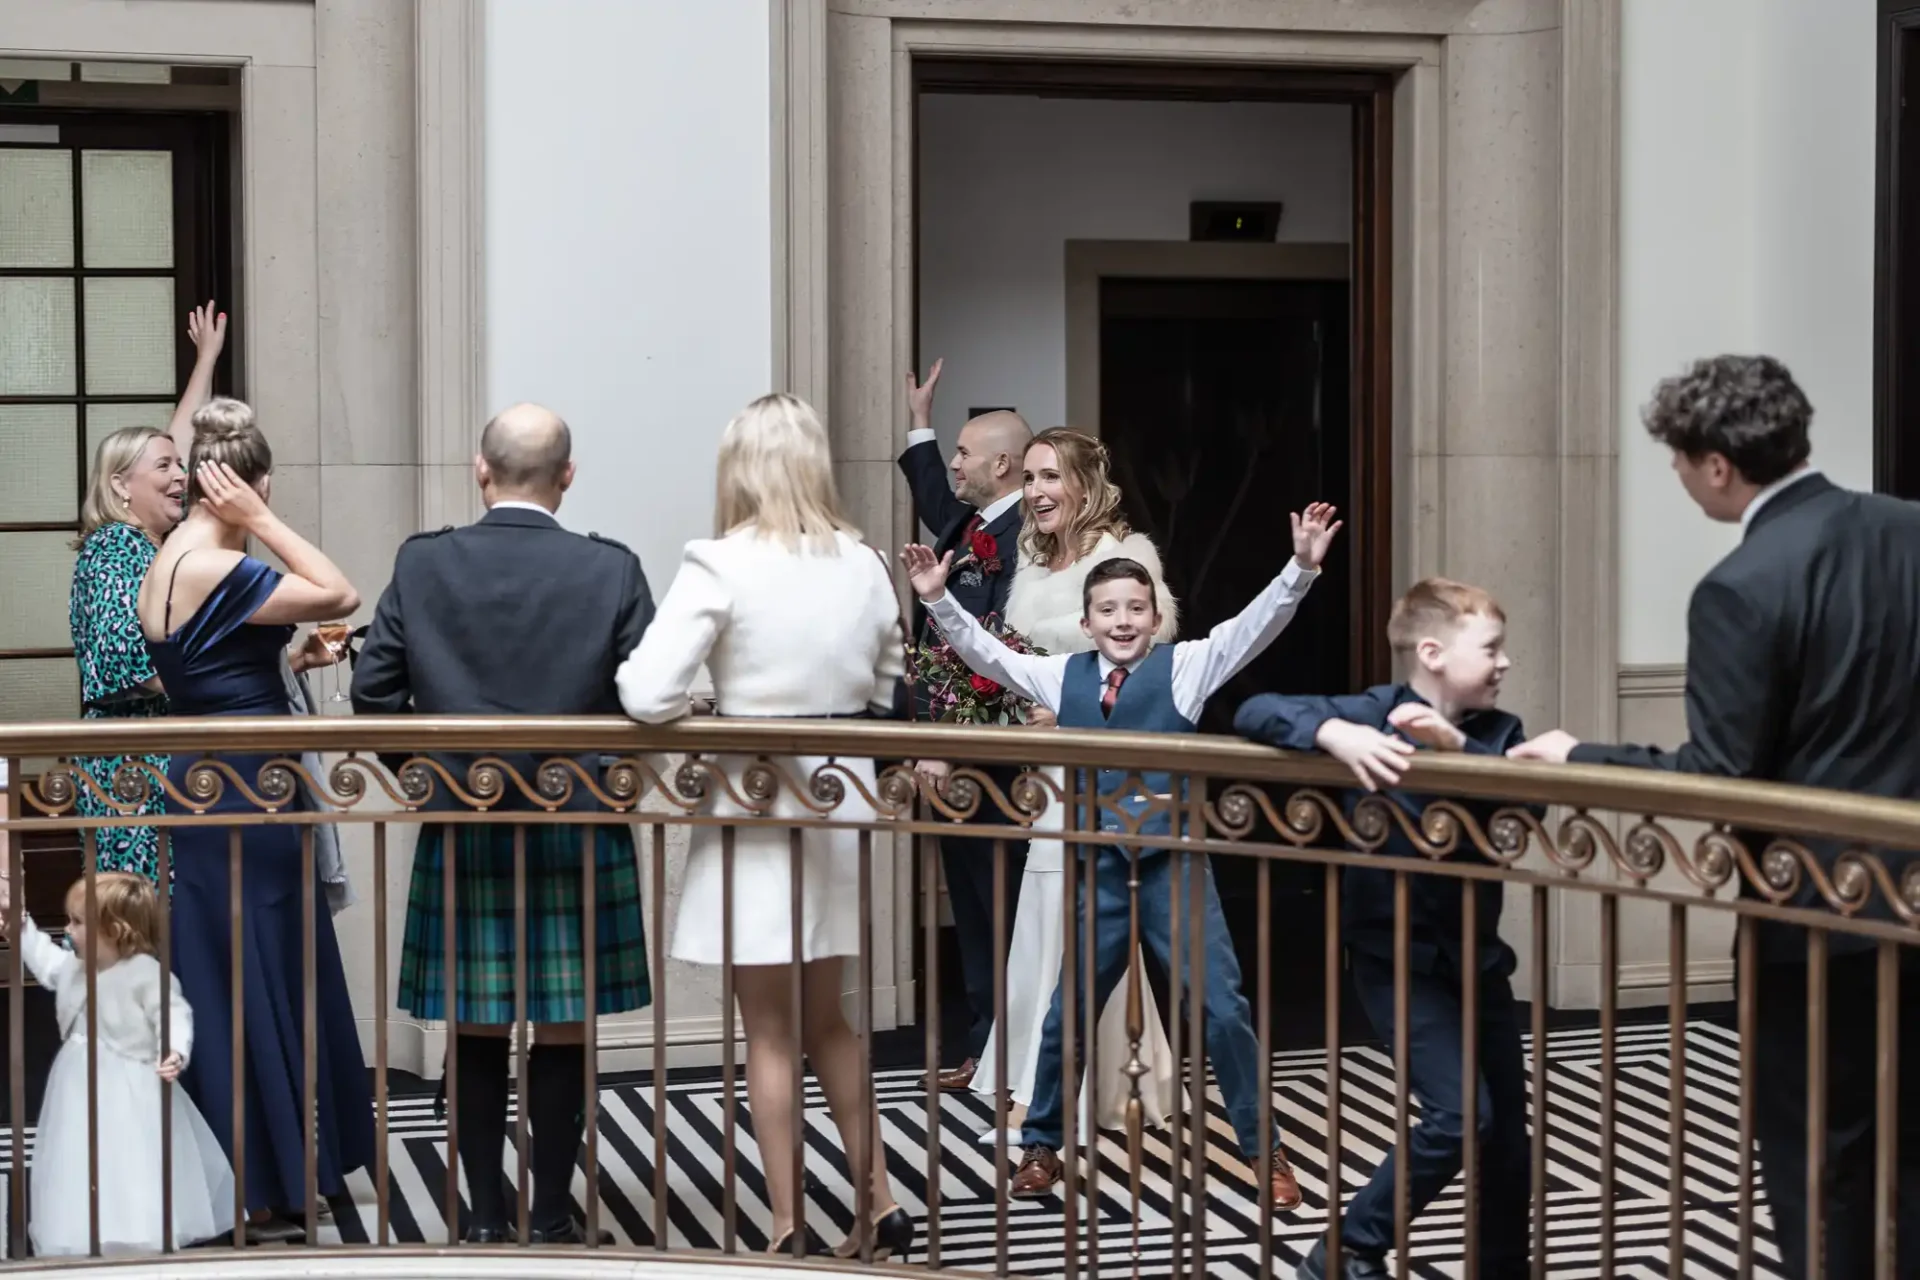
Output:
(1768, 494)
(515, 504)
(1200, 667)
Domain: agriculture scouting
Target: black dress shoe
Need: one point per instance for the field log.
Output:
(815, 1246)
(477, 1234)
(892, 1237)
(276, 1230)
(572, 1231)
(1353, 1266)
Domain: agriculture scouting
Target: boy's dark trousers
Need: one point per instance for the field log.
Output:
(1435, 1149)
(1233, 1050)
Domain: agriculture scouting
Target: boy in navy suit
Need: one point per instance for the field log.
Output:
(1452, 638)
(1128, 683)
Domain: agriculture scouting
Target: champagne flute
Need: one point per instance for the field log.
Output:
(334, 635)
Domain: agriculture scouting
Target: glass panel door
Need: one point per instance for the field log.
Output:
(111, 228)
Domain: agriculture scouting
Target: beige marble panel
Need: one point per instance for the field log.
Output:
(366, 512)
(1499, 518)
(867, 496)
(1419, 257)
(1588, 583)
(368, 354)
(1502, 303)
(447, 496)
(269, 33)
(865, 385)
(280, 307)
(296, 499)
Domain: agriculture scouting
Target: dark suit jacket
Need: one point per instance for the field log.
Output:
(979, 592)
(1803, 661)
(511, 616)
(1366, 895)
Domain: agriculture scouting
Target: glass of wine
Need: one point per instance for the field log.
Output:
(334, 635)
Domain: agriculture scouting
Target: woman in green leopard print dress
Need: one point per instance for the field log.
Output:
(138, 469)
(134, 498)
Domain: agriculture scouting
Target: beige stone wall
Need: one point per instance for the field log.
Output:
(329, 304)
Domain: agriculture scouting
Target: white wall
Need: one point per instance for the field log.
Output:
(1006, 181)
(1747, 138)
(628, 241)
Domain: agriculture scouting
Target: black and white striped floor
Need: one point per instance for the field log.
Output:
(967, 1177)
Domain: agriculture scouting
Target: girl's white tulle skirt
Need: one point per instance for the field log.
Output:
(130, 1190)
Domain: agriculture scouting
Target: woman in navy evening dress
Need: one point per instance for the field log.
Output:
(224, 620)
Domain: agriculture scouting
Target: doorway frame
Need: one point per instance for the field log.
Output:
(1505, 169)
(1896, 398)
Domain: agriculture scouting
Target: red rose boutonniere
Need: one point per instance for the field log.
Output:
(985, 552)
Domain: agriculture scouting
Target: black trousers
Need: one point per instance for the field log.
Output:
(967, 862)
(1436, 1147)
(1852, 1062)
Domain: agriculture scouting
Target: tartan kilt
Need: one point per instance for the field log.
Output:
(484, 928)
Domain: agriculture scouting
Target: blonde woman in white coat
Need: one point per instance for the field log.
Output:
(792, 615)
(1072, 523)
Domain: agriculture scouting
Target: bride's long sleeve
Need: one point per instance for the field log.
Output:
(656, 677)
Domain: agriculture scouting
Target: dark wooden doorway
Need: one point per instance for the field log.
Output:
(1896, 357)
(1226, 404)
(1339, 641)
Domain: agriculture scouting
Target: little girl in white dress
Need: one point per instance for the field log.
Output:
(127, 990)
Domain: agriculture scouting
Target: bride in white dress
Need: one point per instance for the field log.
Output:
(1072, 523)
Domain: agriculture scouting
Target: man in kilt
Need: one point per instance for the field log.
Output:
(515, 615)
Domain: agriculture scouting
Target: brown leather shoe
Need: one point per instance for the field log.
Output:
(1039, 1173)
(1286, 1187)
(960, 1079)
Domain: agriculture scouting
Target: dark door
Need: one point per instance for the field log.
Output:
(1226, 405)
(1896, 426)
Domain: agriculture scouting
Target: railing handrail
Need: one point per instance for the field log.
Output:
(1732, 802)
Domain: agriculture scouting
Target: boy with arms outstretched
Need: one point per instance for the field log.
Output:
(1129, 683)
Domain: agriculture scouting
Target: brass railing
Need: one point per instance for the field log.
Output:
(1608, 834)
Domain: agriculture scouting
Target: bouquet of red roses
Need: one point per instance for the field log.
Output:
(956, 693)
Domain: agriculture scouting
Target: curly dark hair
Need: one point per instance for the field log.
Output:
(1748, 409)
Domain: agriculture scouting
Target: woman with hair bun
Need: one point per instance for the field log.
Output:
(218, 622)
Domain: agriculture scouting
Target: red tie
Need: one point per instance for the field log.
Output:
(974, 526)
(1111, 694)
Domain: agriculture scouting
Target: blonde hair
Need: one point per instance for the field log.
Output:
(1083, 465)
(1432, 607)
(115, 455)
(126, 910)
(775, 472)
(224, 431)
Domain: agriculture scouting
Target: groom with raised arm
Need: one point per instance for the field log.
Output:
(515, 615)
(1803, 658)
(972, 506)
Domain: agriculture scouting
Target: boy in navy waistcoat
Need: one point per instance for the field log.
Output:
(1128, 683)
(1452, 638)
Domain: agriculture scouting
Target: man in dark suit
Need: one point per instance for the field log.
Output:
(972, 506)
(514, 615)
(1803, 657)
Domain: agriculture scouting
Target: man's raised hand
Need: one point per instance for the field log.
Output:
(927, 573)
(920, 396)
(1313, 532)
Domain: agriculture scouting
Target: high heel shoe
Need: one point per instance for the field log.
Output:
(815, 1246)
(892, 1234)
